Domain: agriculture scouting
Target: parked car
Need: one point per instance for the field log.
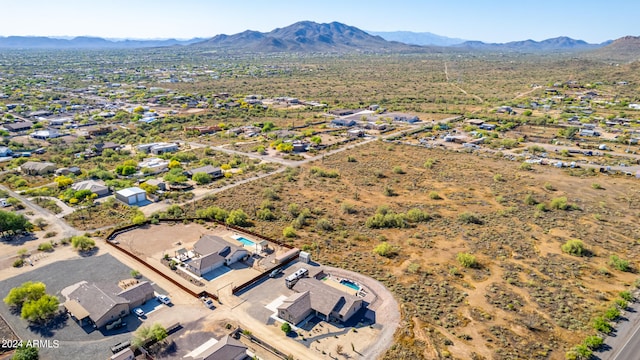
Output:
(164, 299)
(138, 312)
(275, 273)
(207, 302)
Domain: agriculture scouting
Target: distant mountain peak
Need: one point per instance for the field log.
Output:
(305, 36)
(417, 38)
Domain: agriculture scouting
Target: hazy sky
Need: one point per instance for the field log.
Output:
(485, 20)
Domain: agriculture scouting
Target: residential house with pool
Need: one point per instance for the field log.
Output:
(212, 252)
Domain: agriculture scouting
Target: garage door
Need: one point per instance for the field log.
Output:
(141, 197)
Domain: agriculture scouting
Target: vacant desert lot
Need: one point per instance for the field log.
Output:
(525, 299)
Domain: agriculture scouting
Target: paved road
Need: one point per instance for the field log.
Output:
(46, 215)
(625, 345)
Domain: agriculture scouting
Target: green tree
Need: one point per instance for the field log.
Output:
(238, 217)
(11, 223)
(286, 328)
(82, 243)
(201, 178)
(24, 352)
(63, 181)
(158, 332)
(41, 309)
(316, 140)
(28, 291)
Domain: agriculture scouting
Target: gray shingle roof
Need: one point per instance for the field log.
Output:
(226, 348)
(297, 304)
(324, 298)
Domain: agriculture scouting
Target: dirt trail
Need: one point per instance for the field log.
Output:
(446, 74)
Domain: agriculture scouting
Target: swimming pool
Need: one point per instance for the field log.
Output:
(350, 284)
(245, 241)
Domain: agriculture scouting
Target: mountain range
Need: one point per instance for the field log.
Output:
(85, 42)
(308, 36)
(417, 38)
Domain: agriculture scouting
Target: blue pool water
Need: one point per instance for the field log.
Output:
(350, 284)
(246, 241)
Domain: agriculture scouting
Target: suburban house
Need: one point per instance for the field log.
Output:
(314, 296)
(37, 168)
(46, 134)
(153, 166)
(96, 187)
(226, 348)
(203, 129)
(212, 252)
(343, 122)
(402, 117)
(355, 133)
(18, 126)
(109, 145)
(163, 148)
(69, 170)
(342, 112)
(489, 127)
(158, 148)
(215, 172)
(131, 196)
(100, 304)
(157, 182)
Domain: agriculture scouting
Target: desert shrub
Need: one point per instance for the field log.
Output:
(50, 234)
(398, 170)
(593, 342)
(45, 247)
(385, 249)
(289, 232)
(270, 194)
(542, 207)
(388, 220)
(498, 178)
(574, 247)
(82, 243)
(626, 295)
(348, 208)
(429, 163)
(469, 218)
(529, 200)
(612, 313)
(618, 263)
(560, 203)
(416, 215)
(601, 325)
(434, 196)
(388, 191)
(324, 173)
(324, 224)
(266, 214)
(549, 187)
(596, 186)
(526, 166)
(18, 262)
(467, 260)
(238, 218)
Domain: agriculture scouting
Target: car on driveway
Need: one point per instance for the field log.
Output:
(139, 312)
(164, 299)
(207, 302)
